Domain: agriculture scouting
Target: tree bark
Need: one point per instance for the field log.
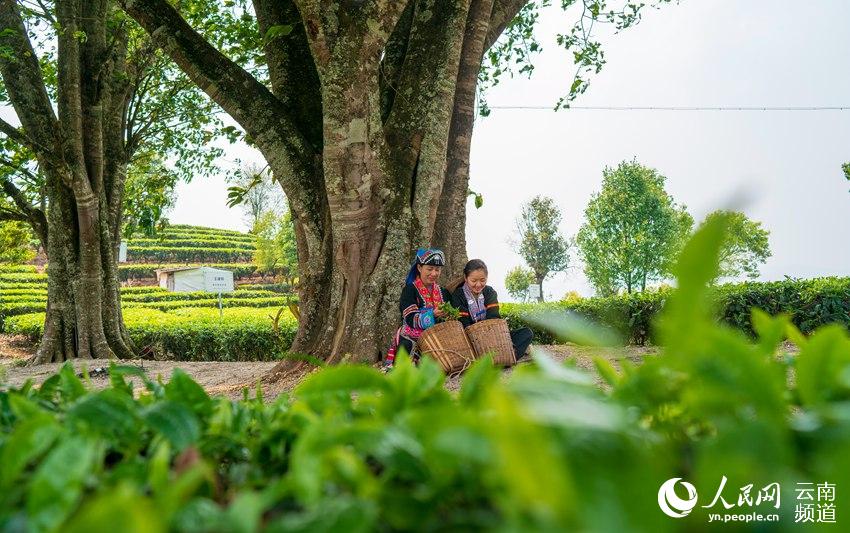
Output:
(450, 230)
(540, 279)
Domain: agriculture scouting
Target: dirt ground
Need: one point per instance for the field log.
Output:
(231, 378)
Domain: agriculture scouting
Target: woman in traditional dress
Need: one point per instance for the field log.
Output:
(419, 304)
(478, 301)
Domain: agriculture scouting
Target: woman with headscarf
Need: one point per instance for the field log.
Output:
(420, 301)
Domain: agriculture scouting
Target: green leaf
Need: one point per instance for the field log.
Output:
(822, 367)
(280, 30)
(771, 330)
(57, 484)
(69, 384)
(124, 505)
(30, 439)
(606, 370)
(108, 413)
(571, 327)
(480, 376)
(173, 421)
(183, 389)
(344, 379)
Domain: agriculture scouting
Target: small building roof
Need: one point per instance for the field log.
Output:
(180, 269)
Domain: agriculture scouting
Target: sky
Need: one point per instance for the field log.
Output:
(782, 168)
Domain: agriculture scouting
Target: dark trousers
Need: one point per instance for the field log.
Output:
(521, 339)
(407, 344)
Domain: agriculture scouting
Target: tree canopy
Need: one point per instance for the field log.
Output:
(745, 246)
(541, 244)
(518, 281)
(167, 123)
(633, 230)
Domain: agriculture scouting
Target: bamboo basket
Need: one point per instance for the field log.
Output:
(447, 343)
(492, 336)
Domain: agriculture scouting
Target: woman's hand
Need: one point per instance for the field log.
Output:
(439, 313)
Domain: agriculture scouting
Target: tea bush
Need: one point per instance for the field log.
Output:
(194, 255)
(197, 242)
(810, 303)
(198, 334)
(9, 269)
(21, 278)
(166, 296)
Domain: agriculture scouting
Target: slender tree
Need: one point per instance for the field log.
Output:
(518, 281)
(745, 247)
(633, 230)
(541, 244)
(257, 193)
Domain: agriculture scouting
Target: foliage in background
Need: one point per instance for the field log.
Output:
(24, 294)
(745, 245)
(517, 283)
(846, 168)
(513, 52)
(168, 126)
(257, 192)
(630, 318)
(149, 193)
(633, 230)
(187, 255)
(276, 252)
(194, 334)
(354, 450)
(15, 242)
(541, 244)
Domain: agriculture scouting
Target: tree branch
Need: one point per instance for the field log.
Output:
(16, 135)
(24, 83)
(7, 215)
(504, 11)
(292, 70)
(244, 98)
(26, 211)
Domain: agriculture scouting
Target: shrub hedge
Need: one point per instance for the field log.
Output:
(200, 242)
(14, 302)
(198, 255)
(282, 288)
(810, 303)
(175, 228)
(21, 278)
(166, 296)
(277, 301)
(9, 269)
(243, 334)
(146, 289)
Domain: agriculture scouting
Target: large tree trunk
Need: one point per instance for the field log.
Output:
(367, 127)
(83, 305)
(450, 230)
